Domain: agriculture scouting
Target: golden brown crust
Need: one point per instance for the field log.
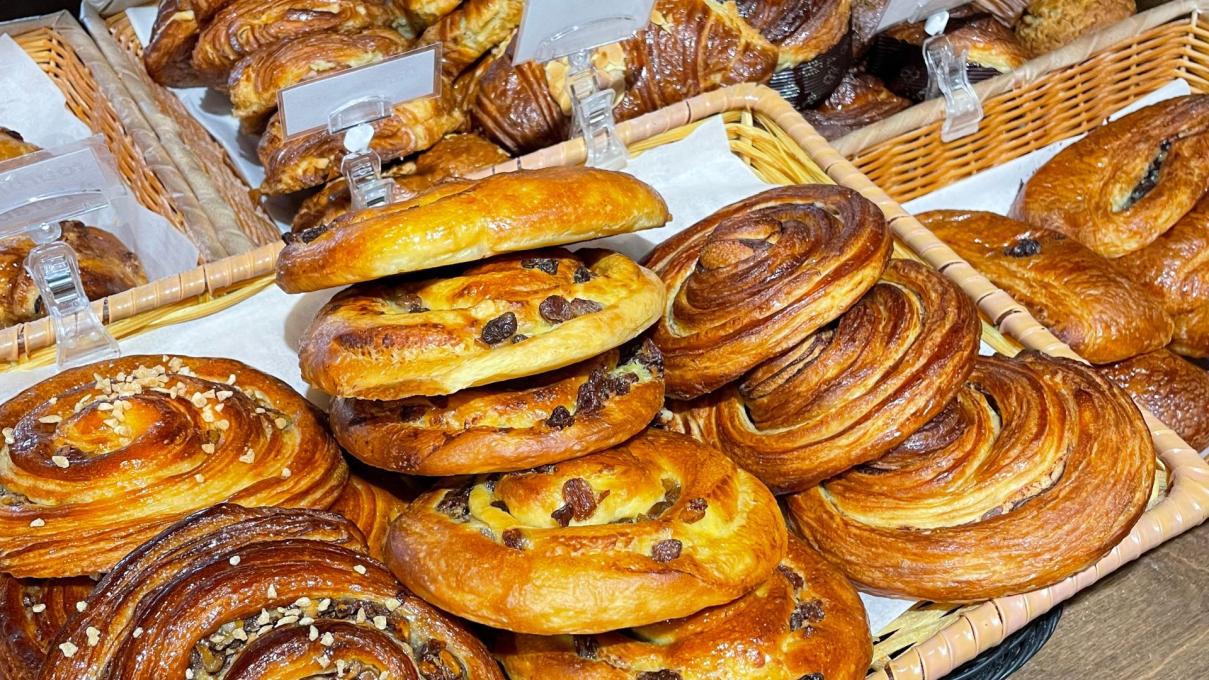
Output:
(657, 528)
(848, 395)
(988, 43)
(1049, 24)
(423, 13)
(31, 612)
(251, 592)
(801, 29)
(1125, 183)
(510, 317)
(256, 80)
(1174, 390)
(859, 100)
(463, 221)
(13, 145)
(746, 283)
(804, 621)
(471, 31)
(1036, 470)
(107, 267)
(552, 417)
(115, 451)
(168, 55)
(1087, 301)
(371, 508)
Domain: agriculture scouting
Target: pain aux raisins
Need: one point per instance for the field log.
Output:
(499, 329)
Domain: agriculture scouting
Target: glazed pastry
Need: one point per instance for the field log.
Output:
(804, 621)
(850, 394)
(313, 158)
(1175, 268)
(1126, 183)
(471, 31)
(859, 100)
(454, 157)
(423, 13)
(1036, 470)
(1174, 390)
(657, 528)
(244, 27)
(371, 507)
(13, 145)
(168, 55)
(464, 221)
(31, 612)
(549, 418)
(117, 450)
(233, 592)
(1049, 24)
(509, 317)
(1088, 302)
(748, 282)
(257, 79)
(107, 267)
(800, 29)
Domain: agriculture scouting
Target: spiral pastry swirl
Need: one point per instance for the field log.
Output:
(371, 507)
(848, 395)
(31, 613)
(1035, 471)
(116, 451)
(657, 528)
(233, 592)
(747, 282)
(804, 621)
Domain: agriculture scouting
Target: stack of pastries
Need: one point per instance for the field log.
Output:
(1107, 246)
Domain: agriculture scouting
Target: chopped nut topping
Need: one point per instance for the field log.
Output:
(312, 634)
(38, 522)
(285, 473)
(360, 569)
(327, 640)
(234, 561)
(281, 423)
(38, 608)
(138, 633)
(380, 622)
(248, 456)
(50, 420)
(392, 604)
(199, 478)
(272, 591)
(94, 636)
(60, 461)
(207, 447)
(81, 606)
(69, 650)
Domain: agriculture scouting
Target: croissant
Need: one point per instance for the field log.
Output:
(168, 55)
(748, 282)
(117, 450)
(371, 508)
(472, 30)
(1126, 183)
(850, 394)
(107, 267)
(1174, 390)
(657, 528)
(859, 100)
(233, 592)
(1007, 490)
(31, 612)
(800, 29)
(1090, 303)
(13, 145)
(803, 621)
(423, 13)
(510, 317)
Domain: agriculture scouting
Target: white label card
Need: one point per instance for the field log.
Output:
(56, 184)
(551, 29)
(412, 75)
(899, 11)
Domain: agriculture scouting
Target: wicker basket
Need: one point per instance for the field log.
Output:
(1063, 94)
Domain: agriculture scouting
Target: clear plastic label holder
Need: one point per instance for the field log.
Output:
(553, 29)
(37, 192)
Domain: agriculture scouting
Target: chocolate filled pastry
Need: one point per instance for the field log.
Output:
(850, 393)
(454, 157)
(257, 79)
(813, 44)
(31, 613)
(117, 450)
(313, 158)
(859, 100)
(371, 507)
(1126, 183)
(107, 267)
(13, 145)
(472, 30)
(168, 55)
(1173, 389)
(509, 317)
(660, 527)
(1033, 473)
(463, 221)
(244, 27)
(234, 592)
(803, 621)
(748, 282)
(1089, 303)
(1047, 25)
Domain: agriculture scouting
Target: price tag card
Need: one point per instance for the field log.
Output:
(56, 184)
(555, 28)
(412, 75)
(899, 11)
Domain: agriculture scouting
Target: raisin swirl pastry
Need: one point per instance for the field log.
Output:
(31, 613)
(1035, 471)
(859, 100)
(803, 621)
(371, 507)
(117, 450)
(657, 528)
(463, 221)
(509, 317)
(1090, 303)
(849, 394)
(555, 416)
(746, 283)
(1125, 183)
(234, 592)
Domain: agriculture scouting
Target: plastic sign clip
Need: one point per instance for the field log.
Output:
(947, 73)
(592, 114)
